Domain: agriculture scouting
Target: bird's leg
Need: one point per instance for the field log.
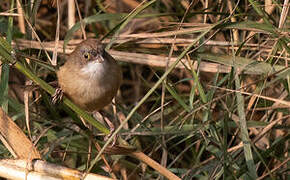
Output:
(87, 125)
(112, 129)
(57, 96)
(110, 124)
(105, 120)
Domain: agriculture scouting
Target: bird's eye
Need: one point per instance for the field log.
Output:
(86, 55)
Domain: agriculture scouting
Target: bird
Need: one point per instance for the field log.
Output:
(90, 76)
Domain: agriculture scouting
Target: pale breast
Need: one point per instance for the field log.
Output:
(92, 86)
(94, 70)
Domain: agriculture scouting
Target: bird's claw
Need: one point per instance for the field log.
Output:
(112, 129)
(107, 137)
(57, 96)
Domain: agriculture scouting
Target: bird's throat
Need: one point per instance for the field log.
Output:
(93, 69)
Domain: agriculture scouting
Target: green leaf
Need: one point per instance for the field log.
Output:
(4, 86)
(177, 97)
(244, 131)
(243, 64)
(89, 20)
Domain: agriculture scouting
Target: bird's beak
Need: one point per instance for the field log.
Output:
(99, 58)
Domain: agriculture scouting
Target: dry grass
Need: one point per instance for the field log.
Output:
(205, 91)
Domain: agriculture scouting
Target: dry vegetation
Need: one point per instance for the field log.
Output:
(205, 91)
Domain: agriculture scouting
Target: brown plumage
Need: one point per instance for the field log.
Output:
(90, 76)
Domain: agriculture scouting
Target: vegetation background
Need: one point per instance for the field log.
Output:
(205, 90)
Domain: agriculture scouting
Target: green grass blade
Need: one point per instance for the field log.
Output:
(128, 19)
(243, 64)
(177, 97)
(244, 132)
(89, 20)
(4, 86)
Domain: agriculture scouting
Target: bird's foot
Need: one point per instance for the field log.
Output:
(105, 120)
(57, 96)
(107, 137)
(112, 129)
(87, 125)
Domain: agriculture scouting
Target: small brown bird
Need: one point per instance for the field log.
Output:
(90, 76)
